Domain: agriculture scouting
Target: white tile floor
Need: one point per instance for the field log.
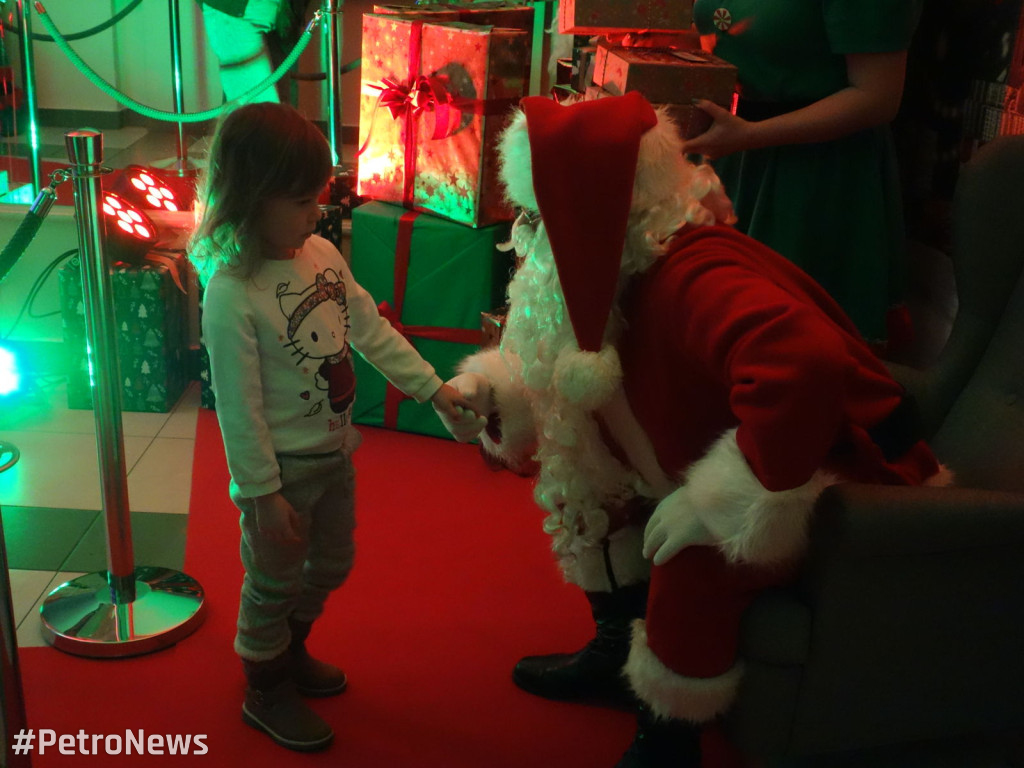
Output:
(158, 458)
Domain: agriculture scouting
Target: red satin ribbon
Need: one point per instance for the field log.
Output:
(171, 263)
(393, 396)
(423, 94)
(644, 38)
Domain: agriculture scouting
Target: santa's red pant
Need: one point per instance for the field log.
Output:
(683, 661)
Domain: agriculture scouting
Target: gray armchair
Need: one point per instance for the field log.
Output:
(902, 643)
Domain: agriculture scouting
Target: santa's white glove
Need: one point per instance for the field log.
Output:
(468, 424)
(674, 525)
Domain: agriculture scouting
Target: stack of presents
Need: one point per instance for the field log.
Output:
(438, 82)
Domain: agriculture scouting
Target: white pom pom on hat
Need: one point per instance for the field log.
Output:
(588, 379)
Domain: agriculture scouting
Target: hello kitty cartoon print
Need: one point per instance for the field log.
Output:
(317, 324)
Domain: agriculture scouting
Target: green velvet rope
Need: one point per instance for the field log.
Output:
(176, 117)
(85, 32)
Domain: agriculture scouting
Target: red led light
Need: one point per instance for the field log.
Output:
(150, 191)
(129, 232)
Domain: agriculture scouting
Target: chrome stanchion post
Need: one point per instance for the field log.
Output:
(333, 45)
(85, 149)
(28, 80)
(183, 167)
(124, 610)
(12, 701)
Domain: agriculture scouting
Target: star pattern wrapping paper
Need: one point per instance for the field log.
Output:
(482, 70)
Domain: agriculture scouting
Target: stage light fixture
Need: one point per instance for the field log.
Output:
(130, 233)
(151, 190)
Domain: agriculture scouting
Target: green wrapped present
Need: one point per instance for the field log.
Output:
(433, 278)
(206, 397)
(151, 311)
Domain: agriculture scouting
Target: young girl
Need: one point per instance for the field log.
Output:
(281, 313)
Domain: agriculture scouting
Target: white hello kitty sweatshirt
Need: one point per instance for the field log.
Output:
(280, 360)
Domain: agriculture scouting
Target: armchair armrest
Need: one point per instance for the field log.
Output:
(906, 624)
(865, 521)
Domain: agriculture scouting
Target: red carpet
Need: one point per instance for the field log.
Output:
(453, 582)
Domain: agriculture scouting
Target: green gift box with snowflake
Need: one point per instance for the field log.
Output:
(151, 311)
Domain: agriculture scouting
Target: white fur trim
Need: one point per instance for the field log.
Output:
(750, 523)
(511, 402)
(516, 168)
(941, 479)
(664, 179)
(671, 695)
(587, 568)
(587, 379)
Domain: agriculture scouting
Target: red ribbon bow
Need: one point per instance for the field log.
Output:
(424, 94)
(410, 100)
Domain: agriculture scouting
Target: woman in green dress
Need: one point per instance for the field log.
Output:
(808, 159)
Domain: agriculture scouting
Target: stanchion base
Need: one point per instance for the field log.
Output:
(80, 617)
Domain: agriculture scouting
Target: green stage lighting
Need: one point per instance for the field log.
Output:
(10, 379)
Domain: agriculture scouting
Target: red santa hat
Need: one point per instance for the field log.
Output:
(583, 161)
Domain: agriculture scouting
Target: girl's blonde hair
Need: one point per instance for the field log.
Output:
(259, 151)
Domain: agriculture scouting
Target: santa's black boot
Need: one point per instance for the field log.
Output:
(593, 673)
(662, 743)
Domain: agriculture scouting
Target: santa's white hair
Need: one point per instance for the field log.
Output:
(579, 478)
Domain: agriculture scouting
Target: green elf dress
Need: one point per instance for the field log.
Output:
(833, 208)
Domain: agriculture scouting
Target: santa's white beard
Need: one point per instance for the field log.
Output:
(579, 478)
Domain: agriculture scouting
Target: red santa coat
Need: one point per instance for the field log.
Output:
(726, 336)
(723, 332)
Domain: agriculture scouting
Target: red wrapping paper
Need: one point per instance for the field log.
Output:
(665, 76)
(599, 17)
(434, 99)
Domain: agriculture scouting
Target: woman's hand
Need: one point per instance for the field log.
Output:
(727, 134)
(872, 98)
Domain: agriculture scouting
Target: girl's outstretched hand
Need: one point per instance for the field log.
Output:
(458, 414)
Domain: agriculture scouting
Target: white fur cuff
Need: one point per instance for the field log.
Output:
(750, 523)
(512, 404)
(671, 695)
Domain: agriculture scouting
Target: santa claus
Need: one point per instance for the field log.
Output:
(685, 393)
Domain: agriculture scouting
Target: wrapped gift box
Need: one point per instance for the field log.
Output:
(494, 13)
(434, 99)
(600, 17)
(433, 278)
(492, 326)
(665, 76)
(206, 397)
(151, 311)
(692, 121)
